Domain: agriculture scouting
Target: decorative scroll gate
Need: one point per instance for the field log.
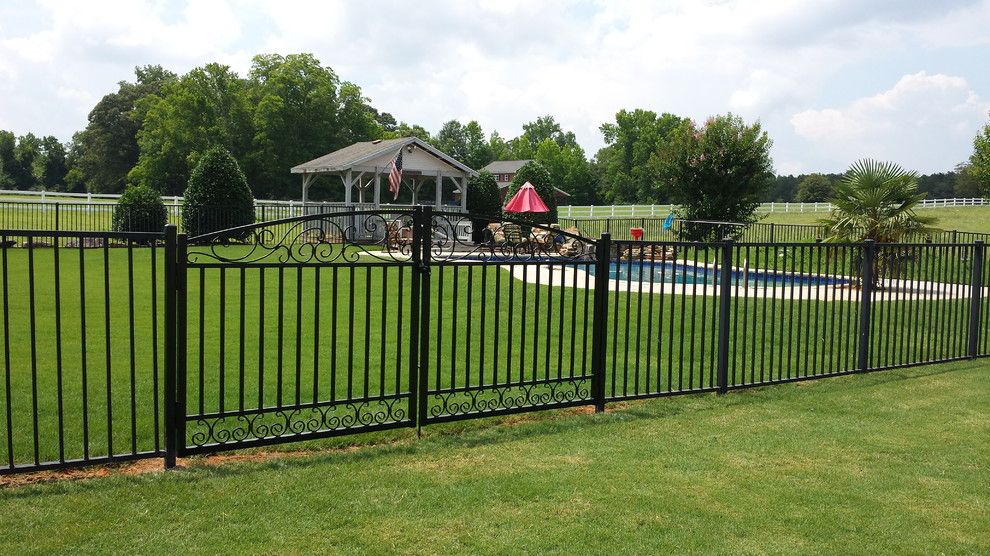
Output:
(291, 330)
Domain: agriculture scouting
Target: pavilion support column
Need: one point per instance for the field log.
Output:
(348, 183)
(307, 180)
(439, 191)
(378, 189)
(464, 194)
(416, 184)
(360, 186)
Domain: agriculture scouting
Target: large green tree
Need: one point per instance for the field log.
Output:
(814, 188)
(301, 110)
(52, 167)
(534, 133)
(465, 143)
(966, 185)
(406, 130)
(499, 147)
(556, 150)
(205, 107)
(107, 149)
(716, 171)
(22, 168)
(452, 139)
(979, 161)
(624, 164)
(9, 166)
(569, 170)
(478, 150)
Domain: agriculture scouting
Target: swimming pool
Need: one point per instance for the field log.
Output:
(680, 273)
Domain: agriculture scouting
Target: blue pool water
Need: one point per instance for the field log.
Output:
(679, 273)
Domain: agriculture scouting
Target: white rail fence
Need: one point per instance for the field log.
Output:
(628, 211)
(564, 211)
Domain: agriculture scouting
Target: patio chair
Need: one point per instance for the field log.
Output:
(494, 234)
(397, 235)
(513, 235)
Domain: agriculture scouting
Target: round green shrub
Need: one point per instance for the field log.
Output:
(218, 196)
(482, 201)
(139, 209)
(538, 175)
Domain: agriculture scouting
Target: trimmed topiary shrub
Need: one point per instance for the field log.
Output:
(140, 209)
(218, 196)
(482, 192)
(536, 174)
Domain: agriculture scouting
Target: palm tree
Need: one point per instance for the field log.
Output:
(876, 200)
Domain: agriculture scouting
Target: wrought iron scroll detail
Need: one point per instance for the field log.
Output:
(295, 421)
(453, 237)
(319, 239)
(492, 399)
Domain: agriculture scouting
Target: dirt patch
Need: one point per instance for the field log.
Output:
(156, 465)
(139, 467)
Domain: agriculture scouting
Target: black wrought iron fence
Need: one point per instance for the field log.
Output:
(100, 217)
(83, 347)
(126, 345)
(660, 229)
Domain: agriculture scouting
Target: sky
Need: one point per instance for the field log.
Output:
(831, 81)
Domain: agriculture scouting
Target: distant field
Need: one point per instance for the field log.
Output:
(968, 219)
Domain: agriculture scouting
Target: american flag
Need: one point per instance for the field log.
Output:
(395, 175)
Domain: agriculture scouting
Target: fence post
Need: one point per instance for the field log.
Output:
(976, 298)
(724, 302)
(181, 256)
(417, 261)
(603, 254)
(865, 303)
(772, 228)
(171, 440)
(426, 240)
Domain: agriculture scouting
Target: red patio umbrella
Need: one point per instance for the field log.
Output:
(526, 200)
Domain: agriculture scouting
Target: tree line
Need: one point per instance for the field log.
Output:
(153, 130)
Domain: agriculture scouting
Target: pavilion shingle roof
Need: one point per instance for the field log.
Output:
(352, 155)
(347, 156)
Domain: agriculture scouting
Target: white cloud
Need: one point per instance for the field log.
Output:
(922, 121)
(507, 62)
(765, 91)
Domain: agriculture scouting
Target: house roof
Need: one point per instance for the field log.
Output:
(505, 166)
(353, 155)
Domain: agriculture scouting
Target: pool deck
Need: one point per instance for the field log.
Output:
(894, 290)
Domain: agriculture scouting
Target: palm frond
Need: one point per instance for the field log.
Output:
(876, 200)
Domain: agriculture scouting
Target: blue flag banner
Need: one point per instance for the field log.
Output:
(668, 222)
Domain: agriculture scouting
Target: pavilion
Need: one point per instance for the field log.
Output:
(361, 167)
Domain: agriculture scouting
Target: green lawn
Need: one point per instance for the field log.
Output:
(968, 219)
(352, 341)
(891, 462)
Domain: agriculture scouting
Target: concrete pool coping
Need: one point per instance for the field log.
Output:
(567, 273)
